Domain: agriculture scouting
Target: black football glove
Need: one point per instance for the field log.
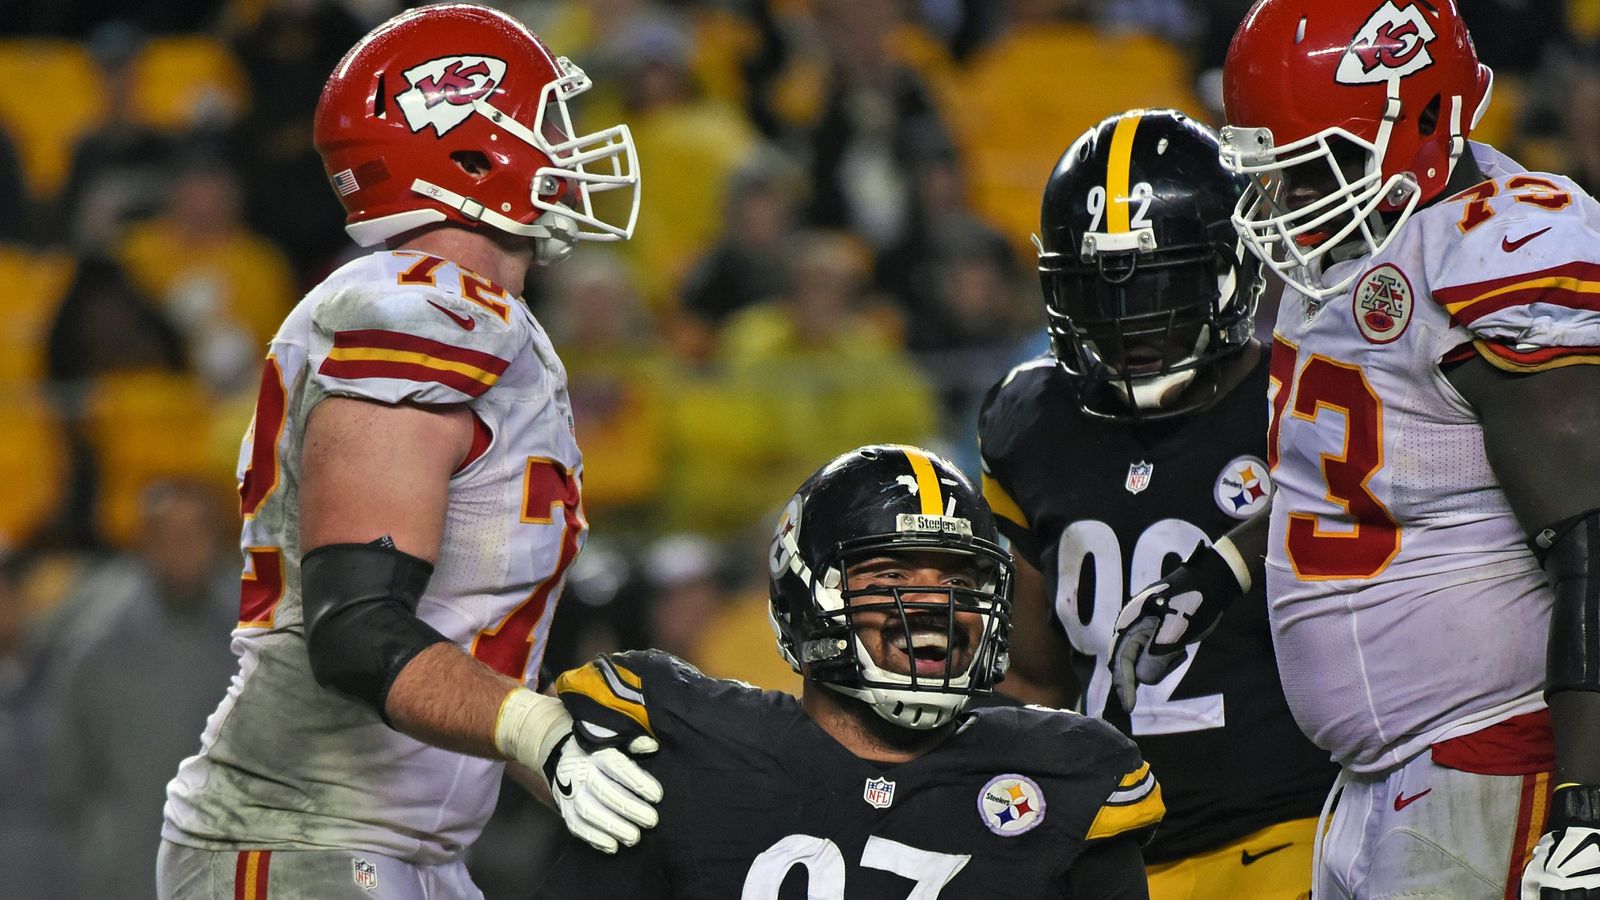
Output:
(1157, 624)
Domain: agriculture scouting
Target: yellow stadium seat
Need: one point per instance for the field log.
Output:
(32, 462)
(700, 143)
(1583, 17)
(1056, 82)
(723, 40)
(53, 96)
(144, 426)
(186, 80)
(35, 283)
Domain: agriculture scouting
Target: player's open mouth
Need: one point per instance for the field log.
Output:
(1143, 360)
(927, 651)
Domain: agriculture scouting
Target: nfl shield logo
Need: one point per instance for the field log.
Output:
(365, 873)
(1139, 476)
(879, 792)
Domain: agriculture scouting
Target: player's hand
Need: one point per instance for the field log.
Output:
(1566, 861)
(1155, 626)
(604, 797)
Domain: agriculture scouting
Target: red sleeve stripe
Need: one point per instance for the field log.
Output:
(1575, 285)
(1578, 271)
(353, 370)
(406, 357)
(378, 339)
(1565, 292)
(1504, 357)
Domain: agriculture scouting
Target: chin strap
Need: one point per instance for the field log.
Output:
(556, 234)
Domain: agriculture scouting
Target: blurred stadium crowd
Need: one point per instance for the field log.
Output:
(833, 249)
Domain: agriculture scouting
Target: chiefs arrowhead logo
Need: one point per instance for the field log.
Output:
(1392, 44)
(442, 90)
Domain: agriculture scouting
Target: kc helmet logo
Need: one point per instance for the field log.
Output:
(442, 90)
(1392, 44)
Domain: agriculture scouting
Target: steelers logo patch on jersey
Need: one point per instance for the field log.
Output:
(1243, 487)
(1011, 805)
(1382, 304)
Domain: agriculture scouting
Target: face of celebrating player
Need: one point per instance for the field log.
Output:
(907, 612)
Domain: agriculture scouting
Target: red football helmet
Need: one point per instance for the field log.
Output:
(441, 85)
(1368, 102)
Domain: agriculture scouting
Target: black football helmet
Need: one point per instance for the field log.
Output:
(875, 501)
(1146, 284)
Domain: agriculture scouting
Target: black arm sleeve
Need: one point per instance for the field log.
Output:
(361, 626)
(1572, 562)
(1109, 870)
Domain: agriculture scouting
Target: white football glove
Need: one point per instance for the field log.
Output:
(604, 797)
(1566, 862)
(1155, 626)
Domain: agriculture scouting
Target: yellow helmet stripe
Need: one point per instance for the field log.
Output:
(1119, 170)
(928, 490)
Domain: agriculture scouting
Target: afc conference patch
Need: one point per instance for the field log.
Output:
(1382, 304)
(1011, 805)
(1243, 487)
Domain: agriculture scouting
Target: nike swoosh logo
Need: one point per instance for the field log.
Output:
(466, 322)
(1246, 857)
(1509, 245)
(562, 785)
(1401, 801)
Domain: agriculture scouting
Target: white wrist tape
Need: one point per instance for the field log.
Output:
(529, 726)
(1235, 560)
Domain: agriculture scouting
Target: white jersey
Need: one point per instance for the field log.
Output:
(287, 764)
(1405, 604)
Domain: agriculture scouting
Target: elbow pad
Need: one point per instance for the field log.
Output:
(1572, 562)
(360, 605)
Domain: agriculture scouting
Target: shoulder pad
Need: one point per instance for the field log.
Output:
(1008, 412)
(1133, 805)
(608, 689)
(422, 332)
(1060, 743)
(1522, 270)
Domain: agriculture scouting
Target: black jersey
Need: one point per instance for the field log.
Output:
(1103, 509)
(761, 803)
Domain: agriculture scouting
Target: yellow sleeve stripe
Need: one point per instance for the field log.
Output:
(1539, 360)
(1001, 503)
(604, 682)
(1119, 169)
(376, 355)
(1562, 283)
(928, 489)
(1135, 778)
(1129, 808)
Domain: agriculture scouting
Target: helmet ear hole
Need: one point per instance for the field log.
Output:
(1428, 121)
(473, 163)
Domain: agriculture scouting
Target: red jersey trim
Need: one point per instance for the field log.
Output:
(250, 875)
(1573, 285)
(1521, 745)
(1502, 357)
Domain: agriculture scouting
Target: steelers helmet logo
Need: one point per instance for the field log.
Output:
(1011, 805)
(785, 541)
(1243, 487)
